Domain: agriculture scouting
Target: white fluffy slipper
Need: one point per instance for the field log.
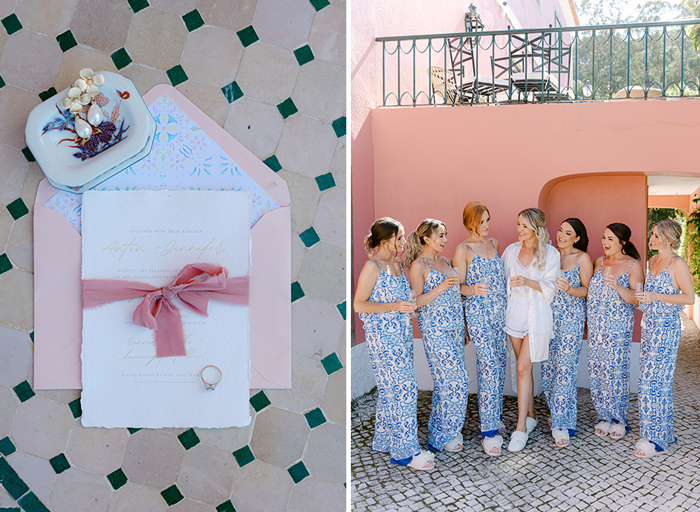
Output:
(518, 440)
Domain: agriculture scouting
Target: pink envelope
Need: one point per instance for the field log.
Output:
(57, 284)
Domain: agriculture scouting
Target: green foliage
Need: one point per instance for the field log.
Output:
(693, 244)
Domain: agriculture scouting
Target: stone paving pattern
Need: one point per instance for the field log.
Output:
(592, 474)
(272, 73)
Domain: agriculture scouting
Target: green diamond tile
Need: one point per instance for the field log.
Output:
(11, 24)
(188, 438)
(2, 82)
(315, 418)
(5, 263)
(137, 5)
(244, 456)
(287, 108)
(273, 163)
(176, 75)
(304, 54)
(59, 463)
(117, 478)
(76, 408)
(11, 481)
(51, 91)
(319, 4)
(133, 430)
(331, 363)
(309, 237)
(11, 509)
(121, 58)
(226, 506)
(341, 308)
(172, 495)
(298, 472)
(325, 181)
(193, 20)
(259, 401)
(17, 208)
(247, 36)
(31, 335)
(6, 446)
(297, 291)
(23, 391)
(66, 41)
(30, 503)
(339, 126)
(232, 92)
(28, 155)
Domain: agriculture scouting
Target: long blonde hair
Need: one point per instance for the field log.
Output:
(536, 219)
(415, 240)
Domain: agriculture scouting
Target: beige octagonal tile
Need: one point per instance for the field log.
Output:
(191, 506)
(309, 382)
(325, 454)
(333, 403)
(286, 24)
(102, 25)
(224, 15)
(178, 7)
(316, 326)
(152, 458)
(300, 135)
(156, 39)
(20, 247)
(14, 169)
(330, 216)
(6, 500)
(132, 497)
(99, 450)
(7, 7)
(343, 343)
(42, 427)
(78, 58)
(319, 79)
(15, 105)
(227, 439)
(305, 196)
(327, 37)
(209, 99)
(256, 125)
(144, 78)
(298, 253)
(50, 17)
(315, 495)
(16, 298)
(8, 406)
(30, 60)
(61, 396)
(36, 472)
(338, 164)
(322, 274)
(260, 487)
(16, 357)
(31, 184)
(267, 73)
(279, 437)
(207, 474)
(78, 491)
(202, 58)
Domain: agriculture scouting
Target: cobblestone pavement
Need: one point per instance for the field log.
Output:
(592, 473)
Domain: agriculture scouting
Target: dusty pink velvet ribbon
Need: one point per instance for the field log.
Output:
(195, 285)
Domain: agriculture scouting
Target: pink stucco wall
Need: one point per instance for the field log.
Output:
(429, 162)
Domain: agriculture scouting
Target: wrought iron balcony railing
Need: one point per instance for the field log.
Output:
(593, 63)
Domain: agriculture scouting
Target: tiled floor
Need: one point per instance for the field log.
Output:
(272, 73)
(591, 474)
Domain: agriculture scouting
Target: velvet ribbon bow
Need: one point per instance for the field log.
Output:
(195, 285)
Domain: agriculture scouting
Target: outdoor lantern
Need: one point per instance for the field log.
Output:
(472, 20)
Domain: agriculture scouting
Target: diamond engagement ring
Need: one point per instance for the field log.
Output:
(211, 376)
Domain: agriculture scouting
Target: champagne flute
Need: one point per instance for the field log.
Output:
(413, 300)
(638, 288)
(456, 271)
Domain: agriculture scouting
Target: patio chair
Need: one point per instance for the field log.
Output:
(465, 74)
(444, 88)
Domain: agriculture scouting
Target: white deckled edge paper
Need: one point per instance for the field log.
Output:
(149, 236)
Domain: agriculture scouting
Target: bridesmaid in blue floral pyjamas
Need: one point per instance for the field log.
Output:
(383, 301)
(442, 327)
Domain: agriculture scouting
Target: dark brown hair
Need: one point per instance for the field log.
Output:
(382, 229)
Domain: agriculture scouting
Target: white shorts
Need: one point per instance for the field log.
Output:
(517, 314)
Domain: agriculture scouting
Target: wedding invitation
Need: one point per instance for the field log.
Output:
(134, 244)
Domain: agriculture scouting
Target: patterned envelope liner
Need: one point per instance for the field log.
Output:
(183, 157)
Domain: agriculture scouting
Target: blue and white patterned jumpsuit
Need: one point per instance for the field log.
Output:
(610, 324)
(661, 335)
(559, 372)
(442, 326)
(390, 343)
(486, 318)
